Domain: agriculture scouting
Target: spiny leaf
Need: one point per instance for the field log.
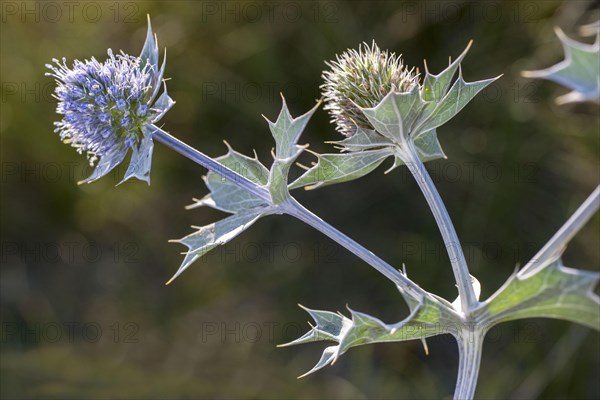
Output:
(227, 196)
(363, 139)
(395, 115)
(545, 287)
(579, 71)
(158, 77)
(398, 119)
(337, 168)
(329, 326)
(459, 95)
(327, 358)
(149, 55)
(141, 159)
(162, 105)
(286, 131)
(404, 116)
(246, 207)
(358, 162)
(554, 291)
(278, 179)
(428, 146)
(149, 52)
(428, 317)
(106, 164)
(246, 166)
(210, 236)
(435, 87)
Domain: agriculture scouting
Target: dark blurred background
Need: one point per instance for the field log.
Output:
(84, 309)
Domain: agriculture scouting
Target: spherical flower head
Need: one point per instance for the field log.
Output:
(111, 107)
(362, 79)
(104, 105)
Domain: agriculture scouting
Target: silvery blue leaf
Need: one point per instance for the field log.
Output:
(435, 87)
(158, 79)
(459, 95)
(404, 116)
(106, 164)
(545, 287)
(366, 151)
(162, 105)
(428, 146)
(141, 159)
(227, 196)
(246, 207)
(554, 291)
(414, 115)
(210, 236)
(286, 131)
(149, 52)
(337, 168)
(428, 318)
(579, 71)
(363, 139)
(396, 114)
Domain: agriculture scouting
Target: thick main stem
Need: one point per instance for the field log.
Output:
(470, 346)
(455, 252)
(208, 163)
(295, 209)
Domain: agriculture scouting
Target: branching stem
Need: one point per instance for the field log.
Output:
(455, 252)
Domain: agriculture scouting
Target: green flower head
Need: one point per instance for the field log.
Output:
(362, 78)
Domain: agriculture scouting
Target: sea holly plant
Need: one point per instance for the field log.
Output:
(385, 110)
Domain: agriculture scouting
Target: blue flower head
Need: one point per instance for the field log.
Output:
(109, 107)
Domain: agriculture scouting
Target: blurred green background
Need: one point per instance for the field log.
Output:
(84, 309)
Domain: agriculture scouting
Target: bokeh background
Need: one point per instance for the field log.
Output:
(84, 309)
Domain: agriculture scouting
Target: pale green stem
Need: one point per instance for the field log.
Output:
(470, 346)
(291, 207)
(457, 258)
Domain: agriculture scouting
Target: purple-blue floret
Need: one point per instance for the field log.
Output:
(104, 105)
